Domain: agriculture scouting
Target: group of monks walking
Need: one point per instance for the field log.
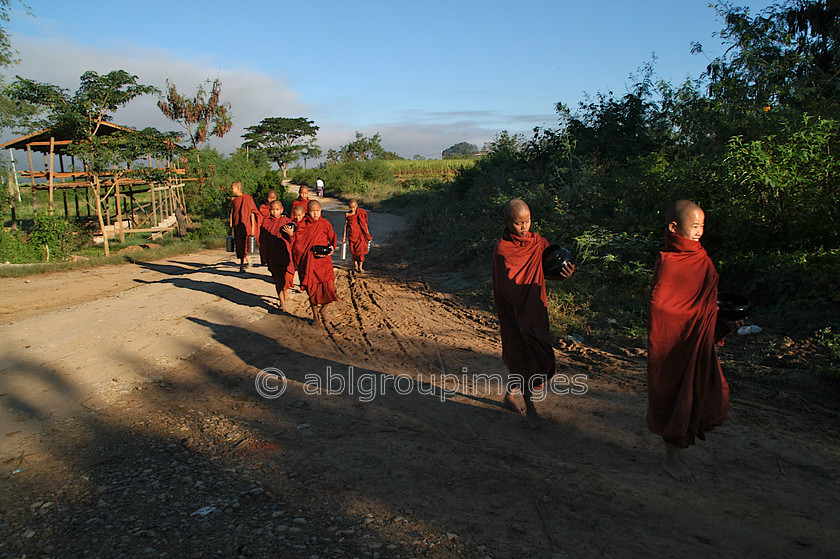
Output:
(687, 392)
(302, 244)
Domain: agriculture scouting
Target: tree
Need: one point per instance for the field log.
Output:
(310, 151)
(362, 149)
(198, 114)
(460, 151)
(80, 117)
(283, 140)
(10, 111)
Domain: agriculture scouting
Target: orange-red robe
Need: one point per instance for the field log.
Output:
(687, 392)
(521, 304)
(278, 251)
(264, 213)
(299, 202)
(358, 233)
(240, 216)
(316, 274)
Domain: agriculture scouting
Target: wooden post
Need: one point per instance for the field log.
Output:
(119, 209)
(14, 174)
(154, 208)
(12, 205)
(32, 180)
(66, 211)
(50, 176)
(76, 196)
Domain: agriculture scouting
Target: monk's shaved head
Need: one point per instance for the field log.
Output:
(515, 208)
(680, 210)
(236, 187)
(277, 204)
(686, 219)
(271, 195)
(313, 205)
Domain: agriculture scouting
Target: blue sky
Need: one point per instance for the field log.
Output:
(423, 74)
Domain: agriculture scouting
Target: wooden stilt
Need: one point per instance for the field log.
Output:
(119, 209)
(32, 180)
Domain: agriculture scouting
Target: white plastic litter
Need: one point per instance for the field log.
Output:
(203, 511)
(751, 329)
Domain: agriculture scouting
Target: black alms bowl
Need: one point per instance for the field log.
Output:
(733, 307)
(320, 250)
(554, 258)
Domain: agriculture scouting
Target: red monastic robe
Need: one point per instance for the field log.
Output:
(240, 215)
(316, 274)
(299, 202)
(521, 304)
(278, 251)
(264, 213)
(358, 233)
(687, 392)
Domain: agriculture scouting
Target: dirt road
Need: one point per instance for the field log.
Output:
(168, 409)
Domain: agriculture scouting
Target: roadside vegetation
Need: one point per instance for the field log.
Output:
(753, 140)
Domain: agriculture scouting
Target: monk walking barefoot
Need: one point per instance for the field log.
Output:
(315, 270)
(687, 392)
(277, 234)
(519, 294)
(243, 221)
(356, 229)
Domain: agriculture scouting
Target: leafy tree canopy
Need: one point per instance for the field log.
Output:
(199, 116)
(283, 140)
(460, 150)
(361, 149)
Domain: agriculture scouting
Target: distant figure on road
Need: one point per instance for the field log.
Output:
(243, 222)
(687, 392)
(356, 229)
(319, 187)
(521, 304)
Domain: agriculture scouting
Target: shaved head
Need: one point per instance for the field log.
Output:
(271, 195)
(313, 205)
(680, 210)
(236, 187)
(276, 203)
(515, 208)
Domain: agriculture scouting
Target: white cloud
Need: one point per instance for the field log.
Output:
(252, 95)
(255, 95)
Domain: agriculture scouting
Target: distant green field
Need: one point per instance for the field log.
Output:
(405, 169)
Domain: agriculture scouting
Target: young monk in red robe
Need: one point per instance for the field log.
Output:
(298, 215)
(243, 221)
(265, 212)
(303, 198)
(519, 294)
(315, 271)
(356, 228)
(277, 234)
(687, 393)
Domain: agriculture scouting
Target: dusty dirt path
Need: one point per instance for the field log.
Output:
(132, 426)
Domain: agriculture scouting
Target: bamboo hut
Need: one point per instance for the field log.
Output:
(123, 210)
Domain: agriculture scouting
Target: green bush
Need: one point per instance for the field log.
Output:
(15, 249)
(210, 228)
(53, 232)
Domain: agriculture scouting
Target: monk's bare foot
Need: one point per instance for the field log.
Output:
(511, 404)
(674, 464)
(535, 421)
